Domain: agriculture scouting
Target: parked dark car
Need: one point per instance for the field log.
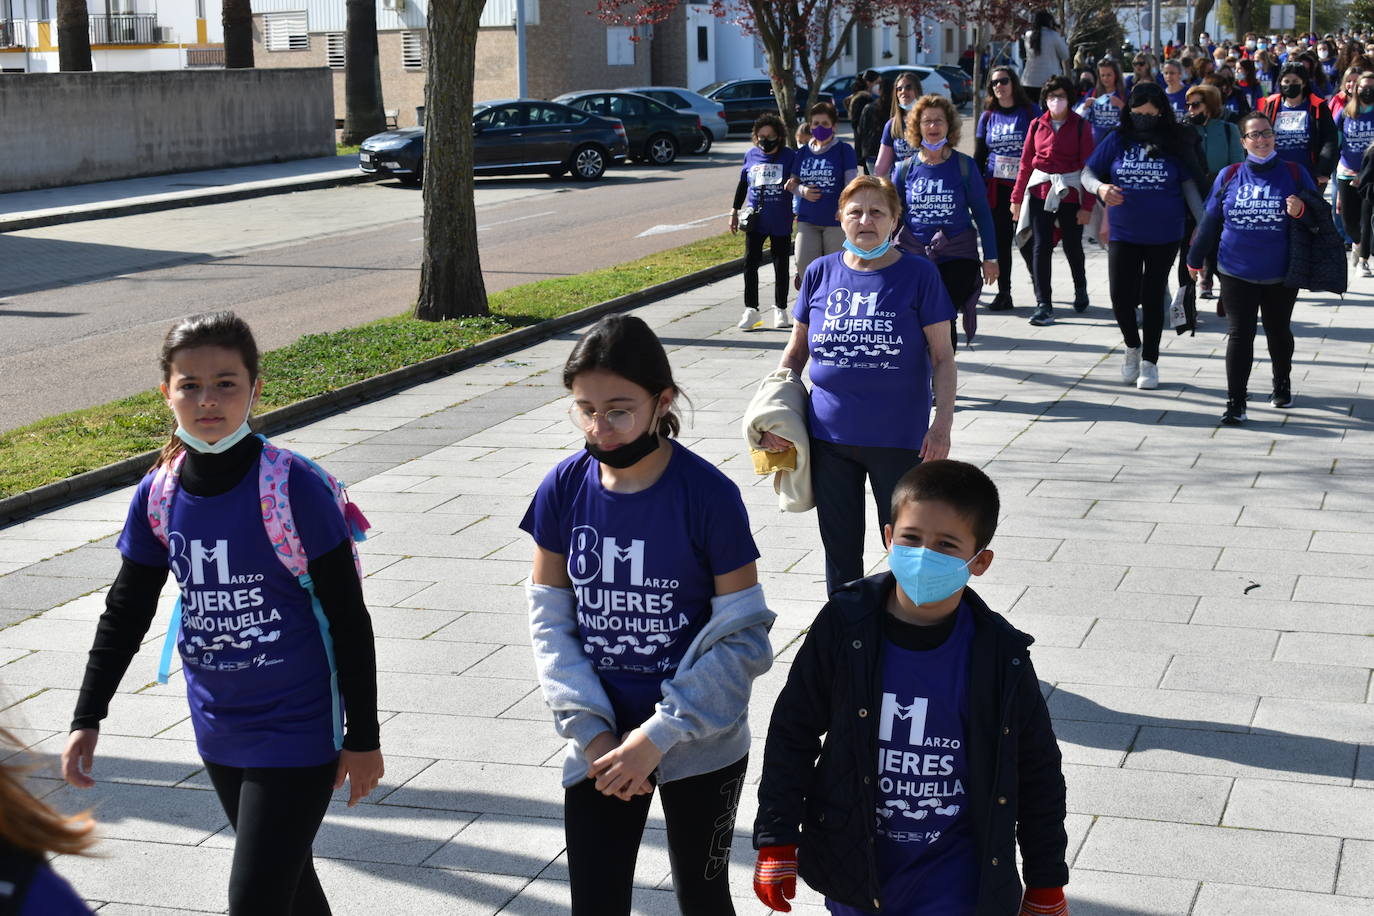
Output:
(712, 114)
(960, 82)
(655, 132)
(511, 136)
(745, 100)
(932, 82)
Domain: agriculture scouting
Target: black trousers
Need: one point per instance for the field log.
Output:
(837, 480)
(780, 248)
(961, 277)
(1356, 212)
(1138, 275)
(1005, 231)
(1245, 301)
(604, 833)
(1209, 263)
(1043, 224)
(276, 812)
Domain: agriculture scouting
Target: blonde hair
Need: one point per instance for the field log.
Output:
(881, 186)
(1211, 98)
(896, 117)
(923, 104)
(28, 824)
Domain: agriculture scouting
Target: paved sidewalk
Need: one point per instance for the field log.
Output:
(49, 206)
(1200, 597)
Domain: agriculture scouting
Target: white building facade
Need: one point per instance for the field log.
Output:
(124, 35)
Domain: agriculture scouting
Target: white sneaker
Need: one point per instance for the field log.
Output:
(781, 319)
(1149, 376)
(1365, 270)
(750, 320)
(1130, 365)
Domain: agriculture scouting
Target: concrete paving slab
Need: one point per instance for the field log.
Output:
(1239, 900)
(1280, 679)
(1322, 810)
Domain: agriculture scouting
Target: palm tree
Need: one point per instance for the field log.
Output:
(73, 36)
(363, 115)
(238, 34)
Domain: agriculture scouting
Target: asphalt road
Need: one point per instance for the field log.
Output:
(84, 306)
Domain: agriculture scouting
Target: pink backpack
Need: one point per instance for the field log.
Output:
(274, 473)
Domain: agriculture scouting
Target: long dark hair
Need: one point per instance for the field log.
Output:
(625, 345)
(1019, 98)
(887, 92)
(210, 329)
(1167, 139)
(1043, 20)
(1298, 69)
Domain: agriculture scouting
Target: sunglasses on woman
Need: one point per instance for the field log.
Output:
(1000, 81)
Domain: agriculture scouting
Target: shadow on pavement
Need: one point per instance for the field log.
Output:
(33, 264)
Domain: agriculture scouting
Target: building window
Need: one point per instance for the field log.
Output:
(620, 51)
(285, 32)
(413, 50)
(336, 49)
(703, 43)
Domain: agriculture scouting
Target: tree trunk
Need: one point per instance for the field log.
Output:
(1241, 11)
(73, 36)
(770, 22)
(363, 114)
(1201, 10)
(451, 273)
(237, 16)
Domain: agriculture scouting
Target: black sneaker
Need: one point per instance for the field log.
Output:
(1080, 300)
(1043, 316)
(1235, 413)
(1000, 303)
(1204, 291)
(1282, 395)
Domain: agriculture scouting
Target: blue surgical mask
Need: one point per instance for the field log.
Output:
(1257, 160)
(935, 146)
(905, 106)
(926, 575)
(200, 446)
(867, 254)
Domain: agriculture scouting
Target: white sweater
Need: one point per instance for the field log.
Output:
(779, 407)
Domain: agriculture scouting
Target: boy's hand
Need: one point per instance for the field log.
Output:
(1044, 901)
(775, 877)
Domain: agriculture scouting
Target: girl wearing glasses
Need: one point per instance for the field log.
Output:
(648, 626)
(1248, 218)
(894, 148)
(1000, 138)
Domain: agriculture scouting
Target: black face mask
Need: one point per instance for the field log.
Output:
(769, 145)
(629, 453)
(1198, 118)
(1291, 90)
(1367, 96)
(1144, 122)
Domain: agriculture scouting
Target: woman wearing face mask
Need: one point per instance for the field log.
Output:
(761, 185)
(1267, 71)
(1355, 125)
(1174, 89)
(1147, 173)
(636, 534)
(1249, 214)
(1233, 102)
(893, 148)
(1304, 131)
(944, 199)
(1058, 145)
(1220, 143)
(1247, 82)
(999, 140)
(820, 170)
(1047, 54)
(1326, 58)
(876, 322)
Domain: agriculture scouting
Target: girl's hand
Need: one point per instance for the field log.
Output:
(1084, 216)
(791, 185)
(599, 747)
(1295, 206)
(989, 273)
(364, 770)
(772, 442)
(734, 221)
(1110, 195)
(1016, 213)
(624, 770)
(78, 757)
(811, 193)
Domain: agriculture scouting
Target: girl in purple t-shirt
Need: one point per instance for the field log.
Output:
(648, 627)
(819, 172)
(763, 209)
(271, 662)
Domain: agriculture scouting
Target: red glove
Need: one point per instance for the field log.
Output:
(775, 877)
(1044, 901)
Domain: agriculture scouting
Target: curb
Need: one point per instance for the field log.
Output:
(129, 470)
(177, 203)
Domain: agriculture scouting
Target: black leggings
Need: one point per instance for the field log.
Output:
(276, 812)
(1356, 212)
(780, 247)
(603, 835)
(1138, 274)
(1006, 231)
(1042, 245)
(1273, 303)
(961, 277)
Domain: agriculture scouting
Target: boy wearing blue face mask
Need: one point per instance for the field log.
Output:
(912, 663)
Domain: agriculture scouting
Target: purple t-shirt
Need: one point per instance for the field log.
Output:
(1356, 134)
(900, 148)
(1152, 207)
(766, 174)
(49, 894)
(1179, 102)
(824, 171)
(1102, 114)
(927, 848)
(1005, 134)
(1255, 221)
(253, 652)
(643, 565)
(870, 369)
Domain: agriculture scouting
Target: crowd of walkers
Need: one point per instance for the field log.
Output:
(1219, 173)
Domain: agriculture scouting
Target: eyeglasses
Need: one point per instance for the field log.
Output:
(939, 123)
(1000, 81)
(1260, 135)
(618, 419)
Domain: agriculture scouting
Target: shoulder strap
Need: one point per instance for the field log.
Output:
(899, 176)
(274, 496)
(166, 479)
(1228, 175)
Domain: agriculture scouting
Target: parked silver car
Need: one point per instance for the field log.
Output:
(712, 113)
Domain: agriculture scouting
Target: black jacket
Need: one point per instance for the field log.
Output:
(1316, 257)
(821, 796)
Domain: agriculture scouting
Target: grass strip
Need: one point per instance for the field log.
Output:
(82, 440)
